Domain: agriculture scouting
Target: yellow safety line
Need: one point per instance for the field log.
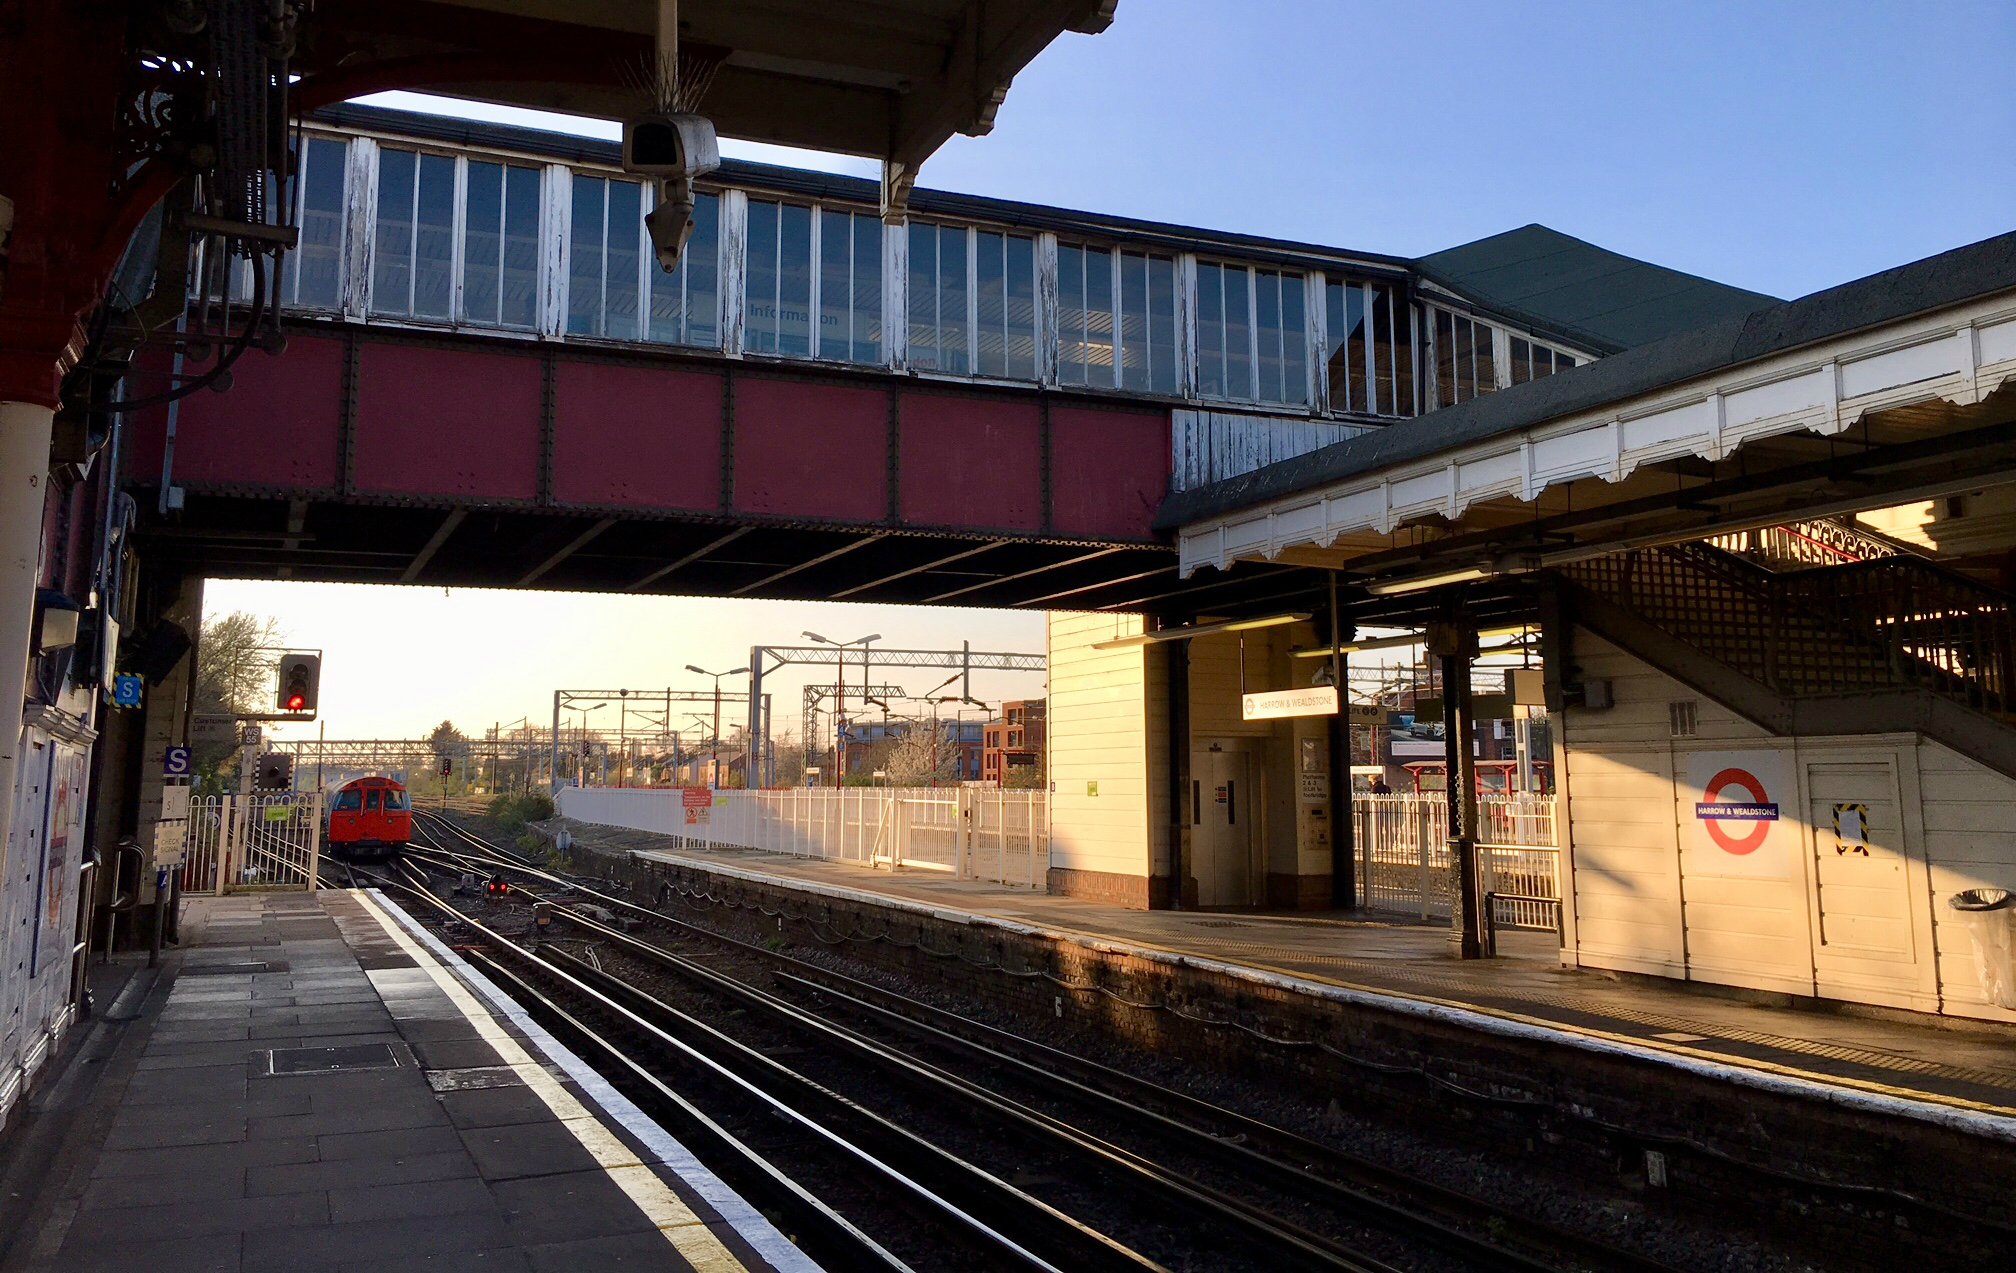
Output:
(688, 1234)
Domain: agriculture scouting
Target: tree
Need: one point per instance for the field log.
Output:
(449, 742)
(915, 759)
(235, 667)
(235, 659)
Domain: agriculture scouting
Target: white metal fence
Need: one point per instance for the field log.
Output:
(972, 833)
(257, 841)
(1404, 865)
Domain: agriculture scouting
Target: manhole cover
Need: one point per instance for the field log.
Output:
(356, 1056)
(222, 970)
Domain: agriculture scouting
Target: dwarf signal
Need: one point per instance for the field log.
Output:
(497, 887)
(300, 680)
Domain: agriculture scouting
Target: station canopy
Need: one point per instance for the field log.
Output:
(890, 80)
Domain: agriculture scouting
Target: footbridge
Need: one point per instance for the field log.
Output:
(486, 381)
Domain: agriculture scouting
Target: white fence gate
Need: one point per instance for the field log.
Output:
(261, 841)
(1404, 864)
(971, 833)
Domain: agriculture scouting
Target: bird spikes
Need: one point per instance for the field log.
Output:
(673, 84)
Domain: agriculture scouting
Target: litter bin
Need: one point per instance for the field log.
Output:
(1989, 915)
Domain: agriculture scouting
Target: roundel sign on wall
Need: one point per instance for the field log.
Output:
(1732, 825)
(1735, 810)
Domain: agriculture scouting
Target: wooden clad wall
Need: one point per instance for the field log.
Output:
(1949, 823)
(1106, 715)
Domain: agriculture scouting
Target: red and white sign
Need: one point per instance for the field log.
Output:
(696, 797)
(1731, 813)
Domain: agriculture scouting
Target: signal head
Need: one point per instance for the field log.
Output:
(300, 677)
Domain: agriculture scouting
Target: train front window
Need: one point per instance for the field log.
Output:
(349, 801)
(395, 801)
(371, 801)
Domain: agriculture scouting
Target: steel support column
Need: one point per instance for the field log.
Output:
(1453, 642)
(1343, 850)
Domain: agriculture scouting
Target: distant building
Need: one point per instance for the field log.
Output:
(1015, 741)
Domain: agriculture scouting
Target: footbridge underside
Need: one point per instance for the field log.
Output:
(367, 455)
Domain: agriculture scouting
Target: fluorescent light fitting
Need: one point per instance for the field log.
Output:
(1200, 629)
(1403, 640)
(1421, 583)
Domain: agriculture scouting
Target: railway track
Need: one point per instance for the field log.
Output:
(1217, 1185)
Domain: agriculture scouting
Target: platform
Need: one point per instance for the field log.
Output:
(1937, 1064)
(315, 1083)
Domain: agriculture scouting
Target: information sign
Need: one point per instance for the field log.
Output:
(126, 690)
(176, 763)
(1315, 700)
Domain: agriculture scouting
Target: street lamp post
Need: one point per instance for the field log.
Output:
(840, 709)
(739, 671)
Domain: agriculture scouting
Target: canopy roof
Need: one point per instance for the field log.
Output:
(891, 80)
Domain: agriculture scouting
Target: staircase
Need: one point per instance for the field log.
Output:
(1881, 640)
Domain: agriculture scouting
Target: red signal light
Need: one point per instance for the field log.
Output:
(497, 886)
(295, 702)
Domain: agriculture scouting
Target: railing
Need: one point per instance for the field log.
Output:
(1824, 542)
(203, 846)
(262, 841)
(968, 832)
(1884, 623)
(1404, 864)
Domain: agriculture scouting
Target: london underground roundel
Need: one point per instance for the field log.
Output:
(1734, 820)
(1738, 826)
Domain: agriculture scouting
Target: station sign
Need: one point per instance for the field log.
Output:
(176, 763)
(1734, 819)
(126, 690)
(1313, 700)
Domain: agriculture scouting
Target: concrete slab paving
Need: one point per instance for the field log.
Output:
(199, 1156)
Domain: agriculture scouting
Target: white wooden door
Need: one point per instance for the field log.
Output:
(1864, 939)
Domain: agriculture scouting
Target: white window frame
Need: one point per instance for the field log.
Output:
(291, 284)
(559, 185)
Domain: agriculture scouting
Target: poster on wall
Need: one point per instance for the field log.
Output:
(1739, 814)
(68, 773)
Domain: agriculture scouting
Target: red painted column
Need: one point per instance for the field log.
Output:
(63, 224)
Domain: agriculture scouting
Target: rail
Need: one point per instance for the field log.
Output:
(1423, 1209)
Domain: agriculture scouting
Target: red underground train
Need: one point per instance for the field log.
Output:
(369, 818)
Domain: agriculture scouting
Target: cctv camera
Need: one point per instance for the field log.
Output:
(670, 224)
(675, 146)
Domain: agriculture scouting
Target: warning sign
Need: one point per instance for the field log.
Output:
(1731, 815)
(1851, 829)
(696, 797)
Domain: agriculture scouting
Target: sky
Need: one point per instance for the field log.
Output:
(1779, 146)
